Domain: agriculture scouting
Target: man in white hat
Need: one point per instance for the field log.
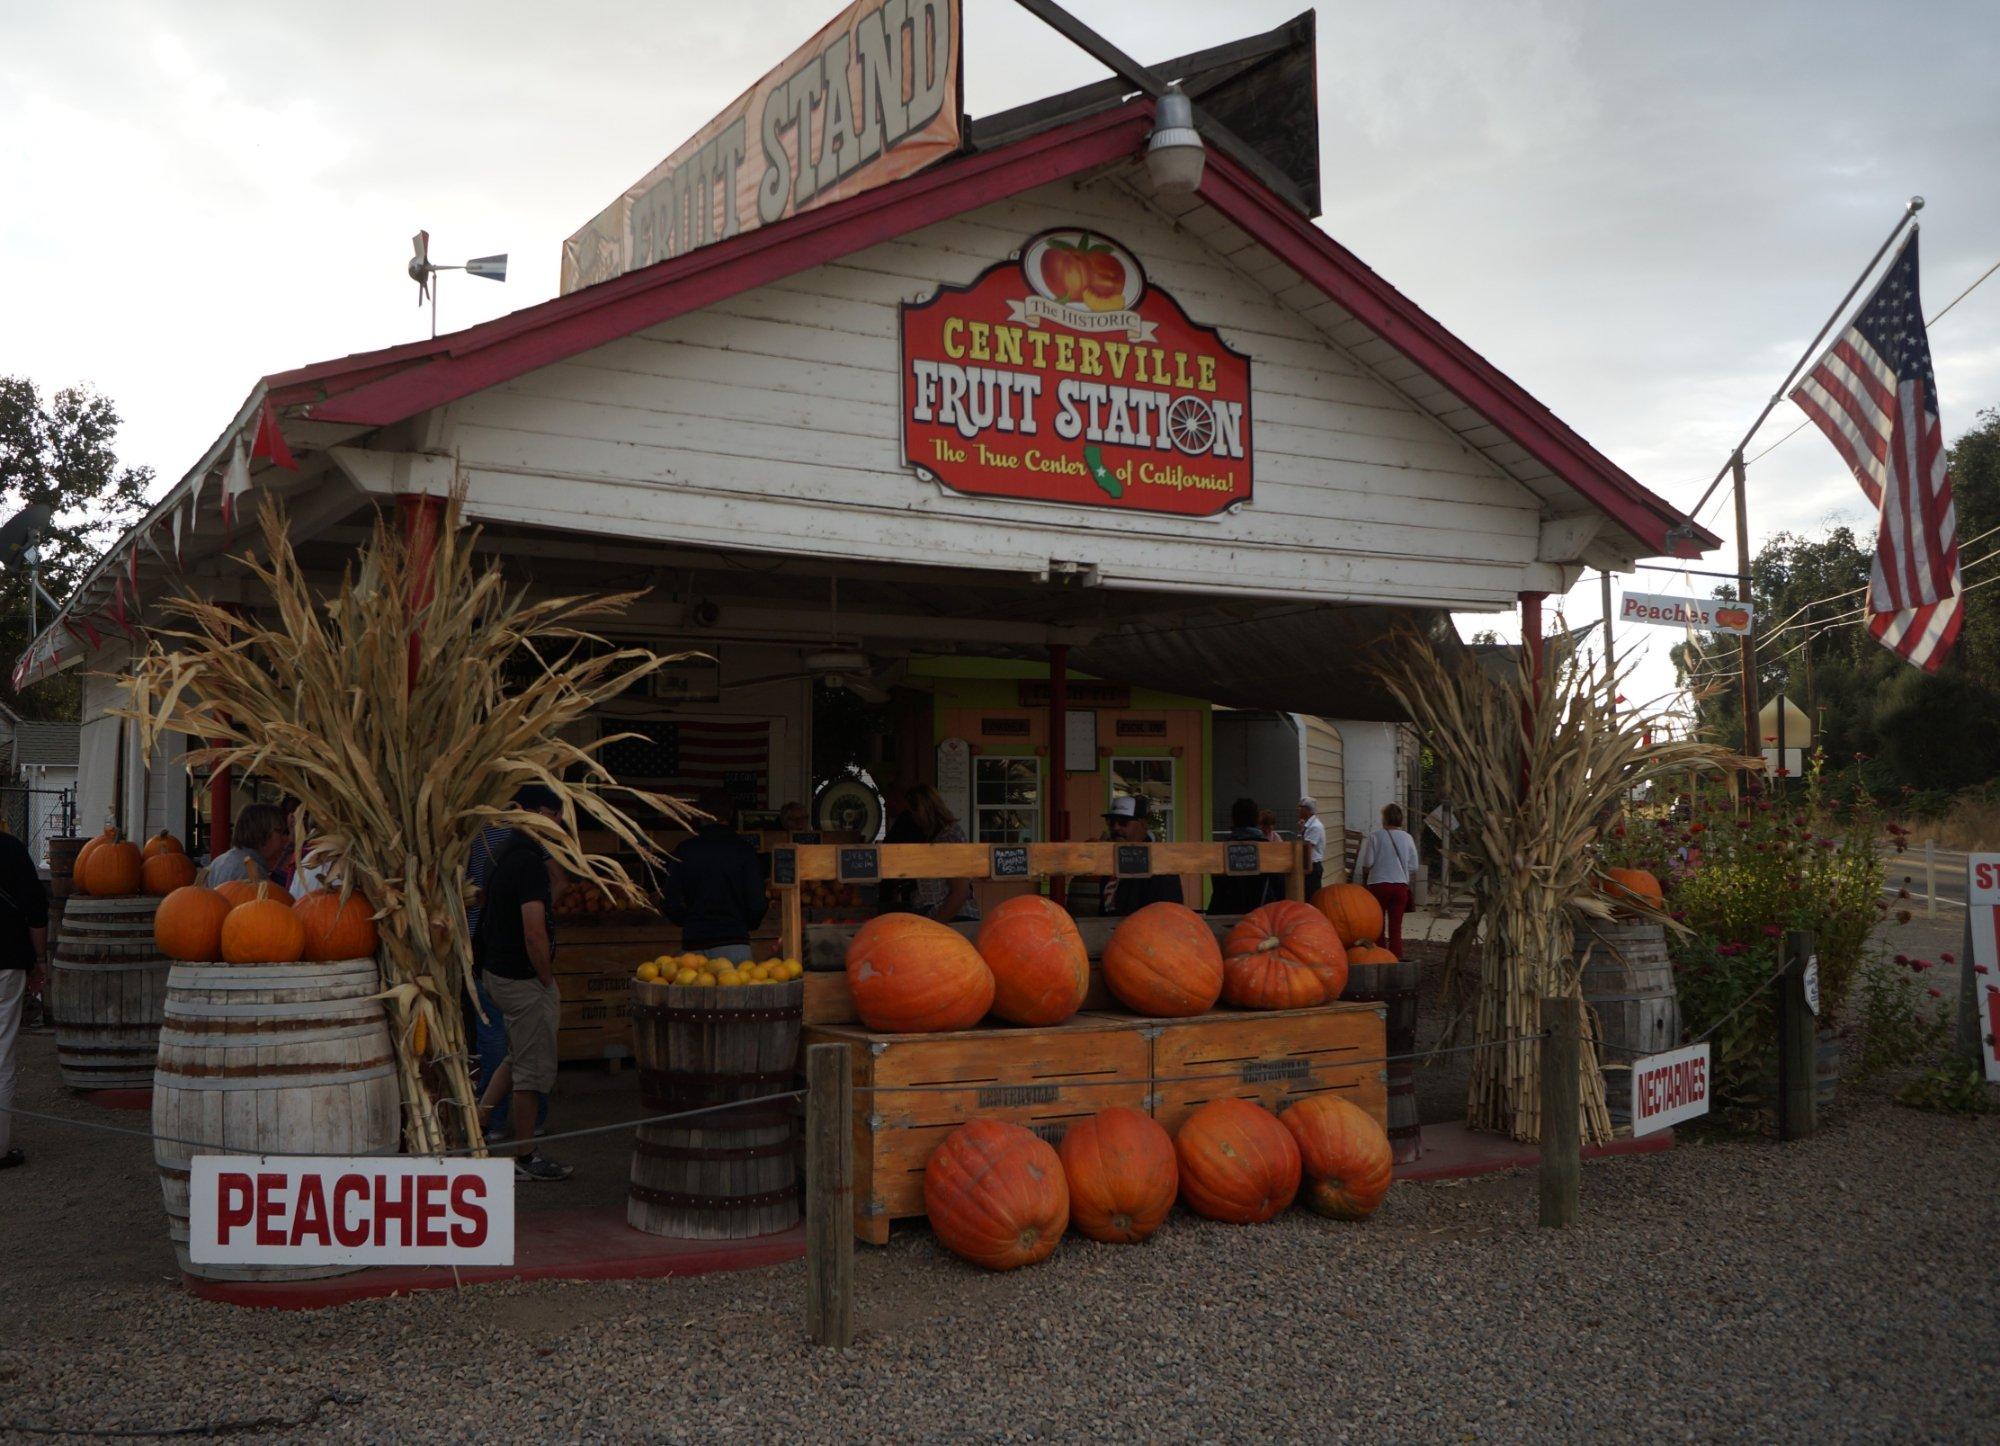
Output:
(1130, 820)
(1313, 833)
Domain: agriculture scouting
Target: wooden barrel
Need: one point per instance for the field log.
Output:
(729, 1174)
(1394, 988)
(270, 1059)
(62, 870)
(107, 990)
(1628, 983)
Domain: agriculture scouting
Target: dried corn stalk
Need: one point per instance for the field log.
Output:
(382, 710)
(1532, 774)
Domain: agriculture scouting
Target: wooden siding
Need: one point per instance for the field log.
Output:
(1324, 766)
(770, 420)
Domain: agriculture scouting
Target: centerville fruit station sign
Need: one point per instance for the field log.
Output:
(1063, 376)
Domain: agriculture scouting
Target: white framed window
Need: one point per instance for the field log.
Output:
(1006, 800)
(1153, 780)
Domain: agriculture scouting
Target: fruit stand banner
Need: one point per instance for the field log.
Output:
(870, 99)
(367, 1210)
(1710, 614)
(1064, 376)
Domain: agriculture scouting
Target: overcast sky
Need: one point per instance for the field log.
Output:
(1640, 212)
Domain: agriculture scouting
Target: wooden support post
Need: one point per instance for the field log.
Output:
(1797, 1108)
(829, 1196)
(1058, 790)
(423, 518)
(791, 924)
(1562, 1110)
(1295, 884)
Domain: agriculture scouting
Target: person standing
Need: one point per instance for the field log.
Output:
(1312, 833)
(1240, 893)
(1387, 859)
(715, 890)
(259, 841)
(932, 821)
(515, 948)
(1130, 820)
(24, 940)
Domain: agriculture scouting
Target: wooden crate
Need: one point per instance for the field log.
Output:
(1040, 1078)
(1273, 1057)
(1047, 1078)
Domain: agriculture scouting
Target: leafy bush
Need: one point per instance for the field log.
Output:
(1898, 1028)
(1952, 1088)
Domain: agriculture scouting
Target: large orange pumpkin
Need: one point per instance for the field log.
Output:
(336, 930)
(1163, 961)
(912, 975)
(1123, 1175)
(1354, 912)
(1237, 1162)
(1634, 886)
(1370, 954)
(162, 843)
(263, 931)
(996, 1194)
(1041, 970)
(84, 855)
(113, 871)
(1284, 955)
(243, 891)
(162, 873)
(1345, 1156)
(188, 924)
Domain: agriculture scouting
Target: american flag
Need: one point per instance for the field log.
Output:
(1875, 396)
(686, 756)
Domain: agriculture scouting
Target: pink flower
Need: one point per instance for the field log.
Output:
(1920, 965)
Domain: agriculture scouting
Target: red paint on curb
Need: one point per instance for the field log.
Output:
(1456, 1152)
(133, 1099)
(594, 1244)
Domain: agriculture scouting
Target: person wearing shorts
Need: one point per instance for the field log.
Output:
(516, 946)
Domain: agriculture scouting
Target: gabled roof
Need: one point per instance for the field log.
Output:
(379, 388)
(51, 744)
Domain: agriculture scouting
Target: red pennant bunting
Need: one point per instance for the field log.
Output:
(270, 442)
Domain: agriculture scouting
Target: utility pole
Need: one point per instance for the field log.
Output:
(1753, 746)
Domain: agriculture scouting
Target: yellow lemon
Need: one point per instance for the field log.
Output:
(705, 979)
(793, 969)
(686, 976)
(649, 972)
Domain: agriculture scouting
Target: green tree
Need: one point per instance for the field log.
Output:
(59, 452)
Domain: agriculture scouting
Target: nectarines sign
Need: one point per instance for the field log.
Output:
(1715, 615)
(1064, 376)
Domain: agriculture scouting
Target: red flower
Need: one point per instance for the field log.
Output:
(1695, 828)
(1934, 994)
(1771, 931)
(1902, 959)
(1949, 958)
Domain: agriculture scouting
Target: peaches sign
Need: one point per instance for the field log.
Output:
(1064, 376)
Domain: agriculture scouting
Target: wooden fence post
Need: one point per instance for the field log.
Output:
(829, 1196)
(1562, 1107)
(1797, 1102)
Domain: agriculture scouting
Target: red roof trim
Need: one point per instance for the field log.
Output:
(500, 350)
(1404, 325)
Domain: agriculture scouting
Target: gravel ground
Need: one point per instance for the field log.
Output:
(1841, 1287)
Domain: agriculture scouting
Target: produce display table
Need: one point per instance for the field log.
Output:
(595, 957)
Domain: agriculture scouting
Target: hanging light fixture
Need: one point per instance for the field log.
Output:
(1175, 155)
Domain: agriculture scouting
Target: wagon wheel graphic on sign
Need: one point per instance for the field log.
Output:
(1190, 425)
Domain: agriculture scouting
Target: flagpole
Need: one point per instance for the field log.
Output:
(1910, 209)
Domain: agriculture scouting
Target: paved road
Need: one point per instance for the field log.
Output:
(1906, 870)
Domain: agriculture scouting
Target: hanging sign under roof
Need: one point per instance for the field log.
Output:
(1715, 615)
(1064, 376)
(872, 98)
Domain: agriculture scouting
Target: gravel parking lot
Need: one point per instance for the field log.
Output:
(1840, 1288)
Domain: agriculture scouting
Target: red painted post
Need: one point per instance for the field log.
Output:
(218, 810)
(1058, 742)
(423, 515)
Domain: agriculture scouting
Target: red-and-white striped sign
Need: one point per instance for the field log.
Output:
(1875, 396)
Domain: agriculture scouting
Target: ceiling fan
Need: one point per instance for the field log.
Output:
(834, 665)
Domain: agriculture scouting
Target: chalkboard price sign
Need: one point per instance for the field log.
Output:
(1240, 858)
(1135, 860)
(806, 837)
(859, 865)
(784, 866)
(1010, 862)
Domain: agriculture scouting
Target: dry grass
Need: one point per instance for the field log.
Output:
(401, 747)
(1970, 825)
(1531, 773)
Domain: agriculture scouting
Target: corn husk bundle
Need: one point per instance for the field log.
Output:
(382, 710)
(1532, 775)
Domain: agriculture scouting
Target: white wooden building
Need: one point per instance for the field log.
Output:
(726, 428)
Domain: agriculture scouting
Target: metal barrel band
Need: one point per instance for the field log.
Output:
(676, 1014)
(716, 1204)
(651, 1151)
